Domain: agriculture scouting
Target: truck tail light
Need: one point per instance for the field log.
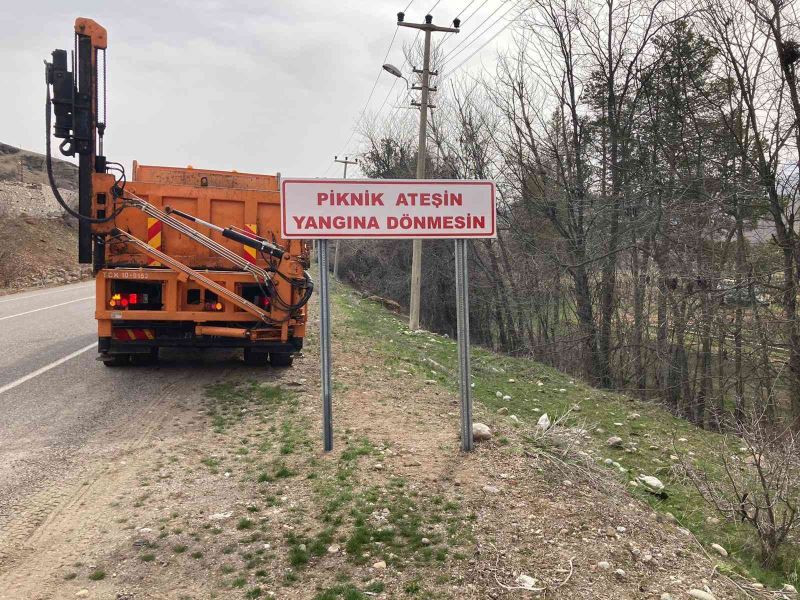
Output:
(126, 300)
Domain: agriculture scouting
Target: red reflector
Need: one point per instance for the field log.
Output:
(132, 298)
(123, 303)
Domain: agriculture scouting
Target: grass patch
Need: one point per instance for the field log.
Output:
(97, 575)
(528, 389)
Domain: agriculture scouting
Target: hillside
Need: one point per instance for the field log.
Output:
(38, 242)
(33, 168)
(227, 494)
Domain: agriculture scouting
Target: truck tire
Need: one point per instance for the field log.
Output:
(281, 359)
(116, 360)
(254, 358)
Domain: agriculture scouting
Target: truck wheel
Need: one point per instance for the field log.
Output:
(254, 358)
(116, 360)
(281, 359)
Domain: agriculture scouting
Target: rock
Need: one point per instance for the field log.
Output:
(515, 419)
(788, 588)
(221, 516)
(719, 550)
(481, 432)
(425, 542)
(506, 398)
(82, 593)
(499, 394)
(380, 565)
(653, 484)
(666, 596)
(701, 595)
(491, 489)
(605, 565)
(614, 442)
(430, 382)
(502, 410)
(544, 422)
(575, 408)
(634, 416)
(512, 380)
(526, 582)
(620, 573)
(666, 517)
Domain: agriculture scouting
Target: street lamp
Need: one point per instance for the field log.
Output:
(391, 69)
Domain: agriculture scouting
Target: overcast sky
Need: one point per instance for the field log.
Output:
(259, 86)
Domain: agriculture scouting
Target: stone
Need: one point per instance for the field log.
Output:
(526, 582)
(701, 595)
(653, 484)
(499, 394)
(614, 442)
(788, 588)
(491, 489)
(221, 516)
(666, 596)
(425, 541)
(620, 573)
(544, 422)
(576, 408)
(84, 593)
(502, 410)
(481, 432)
(380, 565)
(634, 416)
(506, 398)
(719, 550)
(605, 565)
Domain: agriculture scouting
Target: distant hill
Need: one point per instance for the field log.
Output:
(33, 169)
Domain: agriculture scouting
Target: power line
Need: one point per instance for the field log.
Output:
(374, 85)
(474, 35)
(463, 21)
(479, 48)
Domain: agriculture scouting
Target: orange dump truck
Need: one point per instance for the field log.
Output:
(182, 257)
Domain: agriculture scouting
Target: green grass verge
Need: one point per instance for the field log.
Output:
(528, 389)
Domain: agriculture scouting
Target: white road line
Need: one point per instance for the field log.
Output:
(27, 312)
(26, 295)
(44, 369)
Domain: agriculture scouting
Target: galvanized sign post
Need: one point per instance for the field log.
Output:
(325, 345)
(462, 317)
(321, 209)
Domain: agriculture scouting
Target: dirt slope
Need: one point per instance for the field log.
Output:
(38, 242)
(33, 168)
(228, 495)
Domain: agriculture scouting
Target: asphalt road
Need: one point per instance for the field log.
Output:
(62, 412)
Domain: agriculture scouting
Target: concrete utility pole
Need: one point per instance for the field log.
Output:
(345, 162)
(416, 248)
